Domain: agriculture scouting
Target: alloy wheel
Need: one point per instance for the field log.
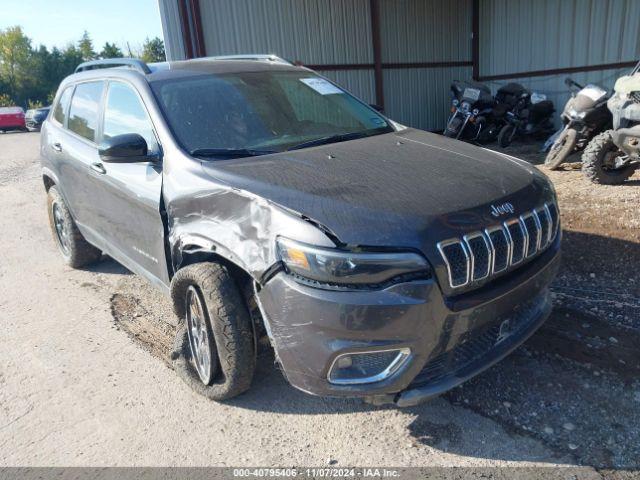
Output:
(62, 231)
(201, 342)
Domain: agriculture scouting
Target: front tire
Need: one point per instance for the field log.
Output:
(75, 250)
(597, 161)
(561, 149)
(506, 135)
(214, 351)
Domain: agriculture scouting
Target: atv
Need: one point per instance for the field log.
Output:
(614, 155)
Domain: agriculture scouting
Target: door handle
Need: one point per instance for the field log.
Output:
(57, 147)
(98, 168)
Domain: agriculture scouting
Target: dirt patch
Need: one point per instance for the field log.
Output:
(147, 330)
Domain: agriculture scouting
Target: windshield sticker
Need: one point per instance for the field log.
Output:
(321, 86)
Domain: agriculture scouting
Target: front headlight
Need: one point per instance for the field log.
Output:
(340, 267)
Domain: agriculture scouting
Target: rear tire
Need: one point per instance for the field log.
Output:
(561, 148)
(226, 332)
(596, 158)
(75, 250)
(505, 135)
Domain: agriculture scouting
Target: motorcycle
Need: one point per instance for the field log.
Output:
(584, 116)
(529, 114)
(614, 155)
(471, 112)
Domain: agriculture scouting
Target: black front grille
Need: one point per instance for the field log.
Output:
(457, 263)
(544, 220)
(516, 232)
(635, 96)
(484, 253)
(532, 233)
(500, 244)
(481, 256)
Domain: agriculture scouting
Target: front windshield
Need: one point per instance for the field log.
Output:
(262, 112)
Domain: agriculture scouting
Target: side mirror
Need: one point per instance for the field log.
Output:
(377, 108)
(127, 148)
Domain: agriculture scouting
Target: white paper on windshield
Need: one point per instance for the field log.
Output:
(321, 86)
(471, 93)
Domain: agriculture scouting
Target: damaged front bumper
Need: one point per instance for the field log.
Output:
(449, 339)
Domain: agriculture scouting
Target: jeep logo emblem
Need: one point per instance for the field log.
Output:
(497, 210)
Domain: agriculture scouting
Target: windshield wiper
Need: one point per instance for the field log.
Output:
(342, 137)
(229, 152)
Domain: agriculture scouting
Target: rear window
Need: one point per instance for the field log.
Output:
(60, 112)
(83, 114)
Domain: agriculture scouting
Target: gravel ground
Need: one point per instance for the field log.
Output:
(84, 377)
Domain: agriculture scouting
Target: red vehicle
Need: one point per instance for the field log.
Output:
(12, 118)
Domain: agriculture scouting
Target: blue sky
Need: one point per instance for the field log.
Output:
(59, 22)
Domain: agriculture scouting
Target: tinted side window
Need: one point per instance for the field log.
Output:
(125, 113)
(60, 111)
(83, 115)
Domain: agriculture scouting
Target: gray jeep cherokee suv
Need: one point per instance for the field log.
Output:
(380, 261)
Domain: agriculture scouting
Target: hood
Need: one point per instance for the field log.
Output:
(402, 189)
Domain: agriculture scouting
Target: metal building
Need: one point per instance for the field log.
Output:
(403, 54)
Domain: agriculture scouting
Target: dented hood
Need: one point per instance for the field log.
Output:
(401, 189)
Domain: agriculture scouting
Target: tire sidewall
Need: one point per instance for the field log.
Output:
(504, 139)
(593, 161)
(558, 154)
(231, 328)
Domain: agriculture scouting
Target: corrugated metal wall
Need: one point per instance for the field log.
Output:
(523, 35)
(171, 29)
(316, 32)
(418, 31)
(335, 32)
(515, 36)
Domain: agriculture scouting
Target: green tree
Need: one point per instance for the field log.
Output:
(15, 48)
(85, 45)
(110, 50)
(153, 50)
(5, 100)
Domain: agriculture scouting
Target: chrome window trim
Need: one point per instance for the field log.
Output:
(395, 365)
(446, 243)
(524, 239)
(466, 239)
(507, 239)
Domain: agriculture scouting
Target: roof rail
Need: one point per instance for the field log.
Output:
(256, 57)
(134, 63)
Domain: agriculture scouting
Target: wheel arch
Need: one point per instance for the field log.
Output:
(49, 179)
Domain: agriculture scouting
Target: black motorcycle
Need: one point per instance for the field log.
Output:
(524, 113)
(584, 116)
(471, 112)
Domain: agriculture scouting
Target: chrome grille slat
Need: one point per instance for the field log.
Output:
(500, 249)
(531, 232)
(482, 254)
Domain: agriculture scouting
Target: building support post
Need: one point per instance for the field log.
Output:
(191, 26)
(376, 42)
(475, 39)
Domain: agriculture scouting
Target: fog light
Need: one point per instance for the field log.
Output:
(367, 367)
